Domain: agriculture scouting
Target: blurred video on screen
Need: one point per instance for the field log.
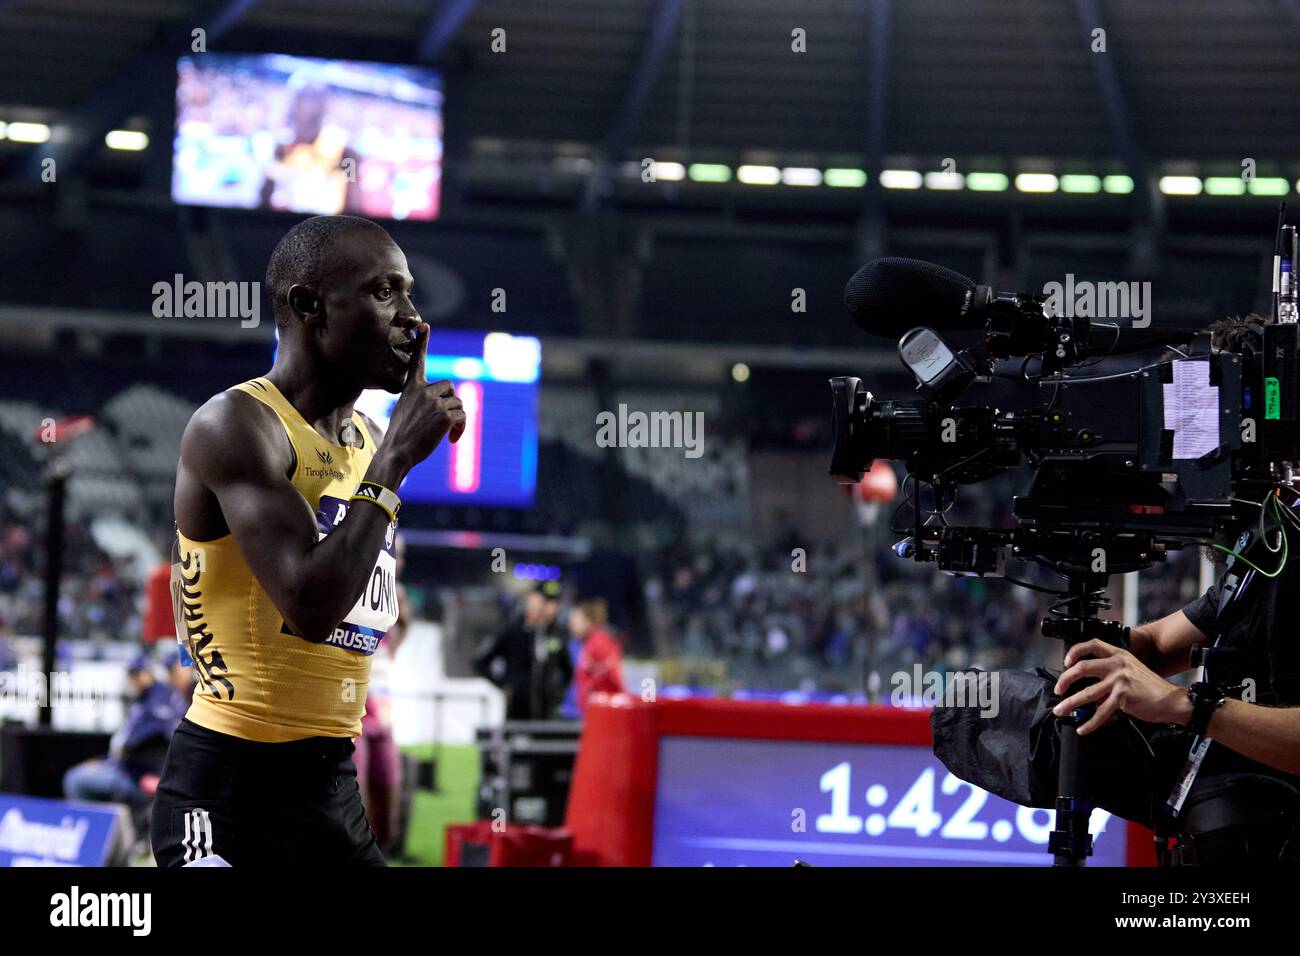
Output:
(269, 131)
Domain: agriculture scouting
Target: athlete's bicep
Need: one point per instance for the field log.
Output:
(236, 457)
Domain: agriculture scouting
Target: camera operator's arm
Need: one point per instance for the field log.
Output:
(1165, 645)
(1270, 735)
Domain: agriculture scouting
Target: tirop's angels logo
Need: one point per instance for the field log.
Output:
(326, 458)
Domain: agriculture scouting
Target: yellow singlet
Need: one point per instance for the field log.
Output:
(256, 678)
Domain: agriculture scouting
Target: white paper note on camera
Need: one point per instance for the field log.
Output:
(1192, 410)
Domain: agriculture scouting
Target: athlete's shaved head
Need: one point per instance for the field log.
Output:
(305, 256)
(341, 290)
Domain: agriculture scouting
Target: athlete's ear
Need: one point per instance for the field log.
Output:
(305, 304)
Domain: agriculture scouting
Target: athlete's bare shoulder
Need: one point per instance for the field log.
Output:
(231, 439)
(233, 433)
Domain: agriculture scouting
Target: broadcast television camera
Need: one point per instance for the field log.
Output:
(1126, 465)
(1136, 462)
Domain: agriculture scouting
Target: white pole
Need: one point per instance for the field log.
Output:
(1208, 573)
(1132, 582)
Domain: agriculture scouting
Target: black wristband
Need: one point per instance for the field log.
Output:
(1206, 699)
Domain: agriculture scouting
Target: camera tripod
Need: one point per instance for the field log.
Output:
(1070, 843)
(1085, 545)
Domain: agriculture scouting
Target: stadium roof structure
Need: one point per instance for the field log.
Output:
(1091, 136)
(1199, 80)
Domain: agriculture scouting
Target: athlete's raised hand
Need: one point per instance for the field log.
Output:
(425, 411)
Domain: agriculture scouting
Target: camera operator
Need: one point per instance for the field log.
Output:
(1246, 798)
(1131, 682)
(1243, 805)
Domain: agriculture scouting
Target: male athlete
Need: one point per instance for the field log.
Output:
(283, 584)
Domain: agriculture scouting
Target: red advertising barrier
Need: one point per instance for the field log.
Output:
(477, 844)
(159, 622)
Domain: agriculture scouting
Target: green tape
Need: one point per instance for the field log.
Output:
(1272, 399)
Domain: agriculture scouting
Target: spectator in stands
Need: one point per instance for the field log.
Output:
(529, 659)
(600, 665)
(140, 744)
(379, 765)
(97, 599)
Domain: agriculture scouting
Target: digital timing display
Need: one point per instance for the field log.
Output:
(726, 802)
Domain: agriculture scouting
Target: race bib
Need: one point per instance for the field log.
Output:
(376, 608)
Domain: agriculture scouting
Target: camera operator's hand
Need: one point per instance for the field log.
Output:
(1124, 685)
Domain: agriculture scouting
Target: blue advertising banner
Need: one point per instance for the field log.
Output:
(38, 832)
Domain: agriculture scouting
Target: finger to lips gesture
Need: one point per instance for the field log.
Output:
(426, 411)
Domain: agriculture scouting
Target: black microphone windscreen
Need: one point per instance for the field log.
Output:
(891, 295)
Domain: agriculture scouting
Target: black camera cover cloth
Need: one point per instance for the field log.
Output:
(1015, 753)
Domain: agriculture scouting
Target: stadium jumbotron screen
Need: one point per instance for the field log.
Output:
(495, 462)
(269, 131)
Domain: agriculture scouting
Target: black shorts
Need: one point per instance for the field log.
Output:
(256, 804)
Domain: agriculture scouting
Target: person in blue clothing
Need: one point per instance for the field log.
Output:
(140, 744)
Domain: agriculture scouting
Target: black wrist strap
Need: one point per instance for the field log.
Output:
(1206, 699)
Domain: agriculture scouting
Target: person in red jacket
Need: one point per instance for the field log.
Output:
(600, 664)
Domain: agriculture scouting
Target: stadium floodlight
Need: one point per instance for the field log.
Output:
(1080, 183)
(709, 172)
(901, 179)
(954, 180)
(758, 175)
(801, 176)
(845, 178)
(1181, 185)
(1225, 186)
(1268, 186)
(126, 139)
(28, 132)
(669, 172)
(987, 182)
(1037, 183)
